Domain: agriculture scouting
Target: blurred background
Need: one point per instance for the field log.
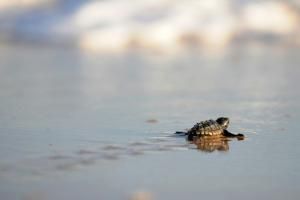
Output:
(91, 91)
(167, 25)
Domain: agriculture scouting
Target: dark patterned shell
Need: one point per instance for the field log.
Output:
(206, 128)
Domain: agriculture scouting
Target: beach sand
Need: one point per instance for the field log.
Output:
(80, 126)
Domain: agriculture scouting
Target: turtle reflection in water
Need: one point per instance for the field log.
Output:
(211, 135)
(211, 144)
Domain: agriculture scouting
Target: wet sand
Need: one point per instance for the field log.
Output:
(78, 126)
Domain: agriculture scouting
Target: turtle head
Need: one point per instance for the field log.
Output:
(223, 121)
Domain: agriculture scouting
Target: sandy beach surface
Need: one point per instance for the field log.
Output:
(80, 126)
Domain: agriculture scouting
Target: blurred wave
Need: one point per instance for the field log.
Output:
(167, 25)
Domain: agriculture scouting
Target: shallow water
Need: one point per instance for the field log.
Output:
(78, 126)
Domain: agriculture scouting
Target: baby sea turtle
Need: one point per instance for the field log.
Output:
(210, 128)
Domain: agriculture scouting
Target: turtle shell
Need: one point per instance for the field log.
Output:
(206, 128)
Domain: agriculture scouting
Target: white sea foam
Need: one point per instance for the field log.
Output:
(172, 25)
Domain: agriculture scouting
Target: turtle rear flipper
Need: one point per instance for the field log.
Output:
(180, 133)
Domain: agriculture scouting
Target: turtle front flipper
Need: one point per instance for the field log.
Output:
(239, 136)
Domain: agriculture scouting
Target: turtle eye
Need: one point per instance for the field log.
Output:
(223, 121)
(226, 123)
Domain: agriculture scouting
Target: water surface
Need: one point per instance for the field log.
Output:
(79, 126)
